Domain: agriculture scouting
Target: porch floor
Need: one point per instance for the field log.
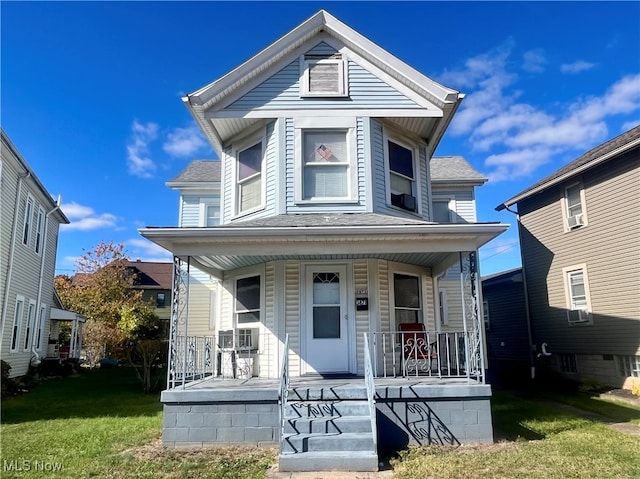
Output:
(255, 383)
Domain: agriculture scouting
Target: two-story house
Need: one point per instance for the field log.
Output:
(580, 239)
(343, 270)
(154, 280)
(30, 221)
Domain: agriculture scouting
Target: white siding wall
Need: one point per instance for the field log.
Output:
(25, 275)
(292, 314)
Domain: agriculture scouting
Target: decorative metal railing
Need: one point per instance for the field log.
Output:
(420, 354)
(224, 355)
(283, 387)
(371, 390)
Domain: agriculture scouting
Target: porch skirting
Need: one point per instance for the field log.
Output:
(206, 417)
(408, 414)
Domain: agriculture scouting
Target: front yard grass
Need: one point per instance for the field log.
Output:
(99, 425)
(536, 438)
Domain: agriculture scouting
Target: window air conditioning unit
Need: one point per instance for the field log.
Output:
(404, 201)
(578, 316)
(575, 221)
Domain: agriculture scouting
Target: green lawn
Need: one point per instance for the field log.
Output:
(99, 425)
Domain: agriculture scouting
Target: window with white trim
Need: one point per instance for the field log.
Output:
(28, 221)
(31, 320)
(41, 323)
(402, 176)
(39, 231)
(323, 76)
(407, 302)
(247, 311)
(577, 295)
(161, 300)
(574, 206)
(249, 178)
(325, 164)
(629, 366)
(17, 323)
(210, 212)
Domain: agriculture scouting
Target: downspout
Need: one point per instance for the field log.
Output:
(42, 259)
(526, 297)
(7, 284)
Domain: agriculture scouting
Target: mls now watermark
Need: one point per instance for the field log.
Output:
(26, 465)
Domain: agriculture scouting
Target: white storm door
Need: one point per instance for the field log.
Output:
(327, 338)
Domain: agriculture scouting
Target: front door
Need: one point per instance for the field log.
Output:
(326, 323)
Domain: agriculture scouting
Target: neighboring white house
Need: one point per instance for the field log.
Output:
(335, 225)
(30, 221)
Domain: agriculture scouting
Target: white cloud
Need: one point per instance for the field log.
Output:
(145, 250)
(138, 160)
(84, 218)
(518, 136)
(576, 67)
(629, 124)
(534, 61)
(184, 142)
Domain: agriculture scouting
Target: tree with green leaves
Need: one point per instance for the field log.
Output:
(119, 322)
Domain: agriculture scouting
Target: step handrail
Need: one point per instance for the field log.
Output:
(284, 384)
(371, 390)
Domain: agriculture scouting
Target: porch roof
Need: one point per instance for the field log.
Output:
(324, 237)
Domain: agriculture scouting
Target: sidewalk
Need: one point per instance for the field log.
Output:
(273, 473)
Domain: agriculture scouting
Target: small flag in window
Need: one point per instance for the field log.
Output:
(324, 152)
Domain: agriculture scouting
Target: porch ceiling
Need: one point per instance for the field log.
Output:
(225, 248)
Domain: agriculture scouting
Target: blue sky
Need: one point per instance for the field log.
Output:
(91, 94)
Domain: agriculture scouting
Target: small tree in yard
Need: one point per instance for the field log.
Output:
(117, 316)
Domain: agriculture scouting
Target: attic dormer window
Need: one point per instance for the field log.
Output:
(323, 76)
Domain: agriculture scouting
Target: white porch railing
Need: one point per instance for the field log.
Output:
(223, 355)
(431, 354)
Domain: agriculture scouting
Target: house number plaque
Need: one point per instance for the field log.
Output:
(362, 304)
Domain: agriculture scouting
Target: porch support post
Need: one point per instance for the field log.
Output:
(74, 337)
(179, 303)
(474, 357)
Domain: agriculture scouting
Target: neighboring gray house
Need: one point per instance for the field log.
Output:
(30, 221)
(580, 239)
(342, 277)
(504, 307)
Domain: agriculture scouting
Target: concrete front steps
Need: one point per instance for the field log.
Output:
(328, 429)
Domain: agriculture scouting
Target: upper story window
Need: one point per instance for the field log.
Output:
(209, 212)
(325, 154)
(323, 76)
(28, 221)
(249, 178)
(574, 206)
(402, 178)
(39, 231)
(326, 164)
(160, 300)
(443, 209)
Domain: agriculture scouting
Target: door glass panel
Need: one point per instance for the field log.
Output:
(326, 322)
(326, 305)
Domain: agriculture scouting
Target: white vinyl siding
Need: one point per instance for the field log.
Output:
(284, 89)
(292, 314)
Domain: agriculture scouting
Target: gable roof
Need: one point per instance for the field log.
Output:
(454, 169)
(600, 154)
(199, 102)
(151, 274)
(198, 172)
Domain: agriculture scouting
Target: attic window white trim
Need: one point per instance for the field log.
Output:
(323, 76)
